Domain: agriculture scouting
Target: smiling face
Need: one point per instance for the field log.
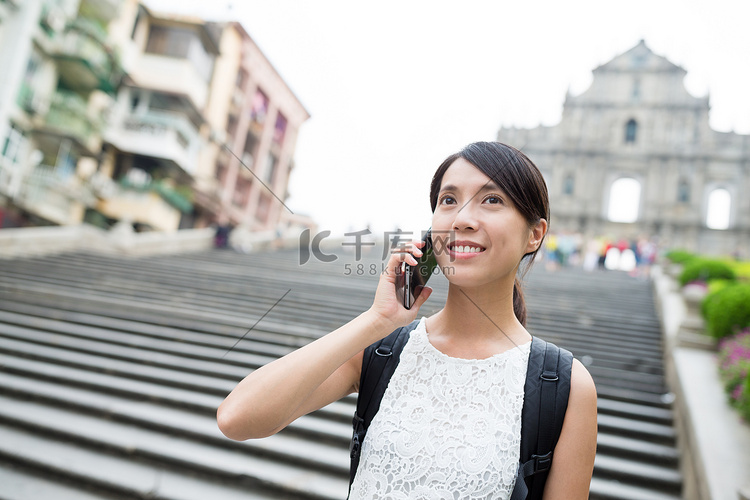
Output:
(488, 235)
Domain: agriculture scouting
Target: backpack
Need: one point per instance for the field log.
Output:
(545, 393)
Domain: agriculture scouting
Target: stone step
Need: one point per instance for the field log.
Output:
(93, 434)
(105, 328)
(606, 489)
(145, 412)
(330, 423)
(663, 479)
(19, 483)
(248, 296)
(634, 449)
(647, 431)
(236, 317)
(124, 476)
(96, 344)
(100, 311)
(635, 411)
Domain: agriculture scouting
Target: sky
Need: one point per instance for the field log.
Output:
(393, 87)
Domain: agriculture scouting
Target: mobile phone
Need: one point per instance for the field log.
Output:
(410, 280)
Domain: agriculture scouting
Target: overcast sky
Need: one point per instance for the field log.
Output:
(394, 87)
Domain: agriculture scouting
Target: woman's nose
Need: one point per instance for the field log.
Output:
(465, 219)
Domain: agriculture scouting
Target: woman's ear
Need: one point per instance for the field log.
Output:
(536, 236)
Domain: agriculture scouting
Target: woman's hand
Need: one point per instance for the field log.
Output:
(386, 307)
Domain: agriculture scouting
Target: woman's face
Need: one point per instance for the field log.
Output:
(485, 235)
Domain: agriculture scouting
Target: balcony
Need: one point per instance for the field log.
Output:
(102, 10)
(53, 196)
(158, 134)
(170, 74)
(142, 206)
(68, 116)
(10, 172)
(84, 59)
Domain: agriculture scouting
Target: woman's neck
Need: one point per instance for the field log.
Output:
(480, 316)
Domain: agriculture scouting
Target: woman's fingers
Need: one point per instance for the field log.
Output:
(409, 252)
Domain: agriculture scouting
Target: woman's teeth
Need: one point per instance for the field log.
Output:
(466, 249)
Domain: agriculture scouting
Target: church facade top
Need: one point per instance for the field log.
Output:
(634, 155)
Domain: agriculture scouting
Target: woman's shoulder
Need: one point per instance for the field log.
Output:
(582, 387)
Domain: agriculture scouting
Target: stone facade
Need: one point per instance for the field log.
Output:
(634, 156)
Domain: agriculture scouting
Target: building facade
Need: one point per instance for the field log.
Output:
(122, 114)
(60, 73)
(634, 156)
(262, 120)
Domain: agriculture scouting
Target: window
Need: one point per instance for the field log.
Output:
(683, 192)
(259, 107)
(636, 88)
(719, 205)
(135, 99)
(280, 129)
(181, 43)
(12, 145)
(172, 42)
(630, 130)
(242, 77)
(251, 144)
(639, 60)
(624, 199)
(569, 185)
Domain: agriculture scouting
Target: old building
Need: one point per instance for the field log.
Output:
(121, 114)
(205, 119)
(634, 155)
(262, 124)
(60, 73)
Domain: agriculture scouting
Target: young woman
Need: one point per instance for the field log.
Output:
(449, 422)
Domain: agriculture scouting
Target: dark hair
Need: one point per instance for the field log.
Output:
(521, 181)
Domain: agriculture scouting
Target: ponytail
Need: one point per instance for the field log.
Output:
(519, 304)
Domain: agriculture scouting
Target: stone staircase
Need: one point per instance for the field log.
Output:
(111, 370)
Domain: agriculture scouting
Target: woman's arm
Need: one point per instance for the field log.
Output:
(273, 396)
(573, 458)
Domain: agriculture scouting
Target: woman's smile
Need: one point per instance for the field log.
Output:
(464, 249)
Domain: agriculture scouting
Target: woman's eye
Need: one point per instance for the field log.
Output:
(493, 200)
(447, 200)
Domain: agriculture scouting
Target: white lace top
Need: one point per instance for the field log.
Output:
(447, 428)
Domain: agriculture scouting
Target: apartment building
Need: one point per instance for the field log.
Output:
(162, 114)
(263, 120)
(59, 75)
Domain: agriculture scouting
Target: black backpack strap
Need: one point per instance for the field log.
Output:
(379, 361)
(545, 401)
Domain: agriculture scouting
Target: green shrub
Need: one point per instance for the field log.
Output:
(714, 286)
(734, 370)
(680, 256)
(742, 270)
(705, 270)
(727, 310)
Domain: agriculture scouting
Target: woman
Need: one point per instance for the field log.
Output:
(461, 373)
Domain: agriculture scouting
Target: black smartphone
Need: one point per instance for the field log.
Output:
(410, 280)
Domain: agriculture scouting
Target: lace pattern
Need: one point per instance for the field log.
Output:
(447, 428)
